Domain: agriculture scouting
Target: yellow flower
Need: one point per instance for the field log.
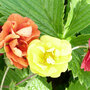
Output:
(49, 56)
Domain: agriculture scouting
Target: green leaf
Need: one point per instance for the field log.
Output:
(76, 86)
(2, 63)
(67, 10)
(15, 75)
(86, 30)
(38, 83)
(47, 14)
(78, 17)
(0, 19)
(2, 50)
(73, 4)
(80, 40)
(75, 64)
(12, 85)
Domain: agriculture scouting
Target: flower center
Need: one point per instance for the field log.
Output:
(50, 60)
(49, 54)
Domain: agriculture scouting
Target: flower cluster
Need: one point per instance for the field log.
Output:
(49, 56)
(16, 34)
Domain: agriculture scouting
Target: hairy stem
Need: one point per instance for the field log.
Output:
(25, 79)
(4, 78)
(4, 86)
(19, 82)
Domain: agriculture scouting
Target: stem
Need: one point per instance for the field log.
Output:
(79, 47)
(65, 32)
(25, 79)
(4, 77)
(19, 82)
(5, 86)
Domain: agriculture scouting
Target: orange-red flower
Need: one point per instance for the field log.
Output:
(16, 34)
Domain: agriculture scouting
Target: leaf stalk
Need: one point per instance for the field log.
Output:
(4, 76)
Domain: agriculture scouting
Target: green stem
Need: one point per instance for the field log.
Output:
(79, 47)
(4, 78)
(65, 32)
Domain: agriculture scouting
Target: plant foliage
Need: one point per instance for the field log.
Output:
(59, 18)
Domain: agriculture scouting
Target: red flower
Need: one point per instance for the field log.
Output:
(16, 34)
(86, 61)
(1, 54)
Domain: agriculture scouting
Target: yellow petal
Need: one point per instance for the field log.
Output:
(65, 48)
(63, 59)
(49, 56)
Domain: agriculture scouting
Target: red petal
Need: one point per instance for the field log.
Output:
(10, 37)
(5, 30)
(34, 26)
(26, 23)
(35, 35)
(1, 54)
(13, 47)
(17, 65)
(1, 43)
(85, 64)
(19, 60)
(13, 26)
(15, 58)
(13, 43)
(23, 47)
(17, 18)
